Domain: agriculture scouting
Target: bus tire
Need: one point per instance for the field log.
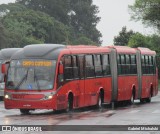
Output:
(132, 99)
(70, 103)
(100, 101)
(24, 111)
(142, 100)
(148, 100)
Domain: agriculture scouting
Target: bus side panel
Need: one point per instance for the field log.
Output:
(90, 91)
(147, 81)
(107, 89)
(77, 88)
(125, 84)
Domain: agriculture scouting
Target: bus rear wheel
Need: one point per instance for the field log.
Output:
(148, 99)
(142, 100)
(100, 102)
(132, 99)
(24, 111)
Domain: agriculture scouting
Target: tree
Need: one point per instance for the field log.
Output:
(3, 39)
(123, 38)
(83, 19)
(147, 11)
(11, 7)
(152, 42)
(55, 8)
(138, 40)
(84, 41)
(79, 15)
(33, 26)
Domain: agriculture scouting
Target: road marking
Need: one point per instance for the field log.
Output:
(108, 112)
(134, 111)
(87, 112)
(156, 112)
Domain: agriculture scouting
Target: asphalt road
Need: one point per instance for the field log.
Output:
(136, 114)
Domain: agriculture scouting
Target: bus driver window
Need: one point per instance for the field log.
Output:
(60, 72)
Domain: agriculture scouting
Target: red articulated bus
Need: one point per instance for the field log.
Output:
(52, 76)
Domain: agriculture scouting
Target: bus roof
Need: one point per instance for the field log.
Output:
(146, 51)
(5, 54)
(51, 51)
(81, 46)
(123, 49)
(44, 51)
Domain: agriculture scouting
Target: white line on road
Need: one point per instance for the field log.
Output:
(134, 111)
(156, 112)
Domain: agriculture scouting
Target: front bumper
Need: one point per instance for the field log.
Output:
(21, 104)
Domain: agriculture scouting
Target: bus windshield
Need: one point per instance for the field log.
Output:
(31, 74)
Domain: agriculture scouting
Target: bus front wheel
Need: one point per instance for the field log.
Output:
(70, 104)
(24, 111)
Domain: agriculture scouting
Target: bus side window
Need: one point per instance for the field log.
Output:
(119, 64)
(127, 64)
(68, 72)
(133, 65)
(89, 66)
(75, 67)
(146, 64)
(143, 64)
(123, 62)
(150, 65)
(81, 66)
(154, 64)
(98, 65)
(106, 65)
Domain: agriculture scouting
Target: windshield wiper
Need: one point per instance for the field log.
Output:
(35, 76)
(22, 80)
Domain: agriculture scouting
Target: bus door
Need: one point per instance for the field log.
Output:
(80, 83)
(90, 81)
(114, 74)
(139, 72)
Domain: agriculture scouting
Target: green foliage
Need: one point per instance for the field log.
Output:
(123, 38)
(11, 7)
(83, 19)
(55, 8)
(30, 26)
(79, 15)
(138, 40)
(147, 11)
(84, 41)
(3, 39)
(152, 42)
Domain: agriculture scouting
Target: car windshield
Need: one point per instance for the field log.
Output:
(31, 74)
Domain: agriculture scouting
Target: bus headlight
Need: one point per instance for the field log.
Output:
(50, 96)
(7, 96)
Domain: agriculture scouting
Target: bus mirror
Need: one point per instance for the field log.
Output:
(4, 68)
(61, 69)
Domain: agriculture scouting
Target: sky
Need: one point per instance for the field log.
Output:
(114, 15)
